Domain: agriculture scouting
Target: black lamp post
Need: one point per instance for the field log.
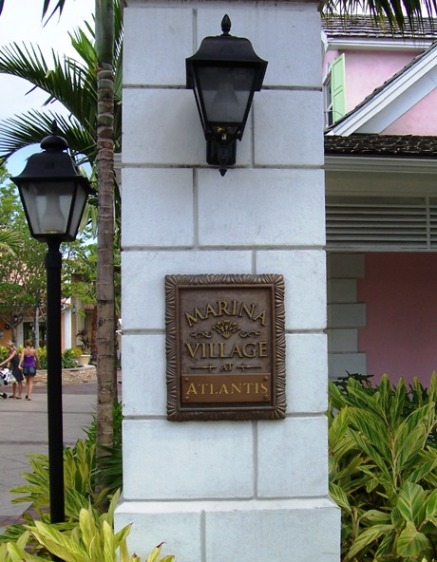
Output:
(54, 195)
(224, 74)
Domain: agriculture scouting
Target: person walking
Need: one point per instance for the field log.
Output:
(16, 370)
(29, 362)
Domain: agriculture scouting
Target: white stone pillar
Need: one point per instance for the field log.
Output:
(218, 490)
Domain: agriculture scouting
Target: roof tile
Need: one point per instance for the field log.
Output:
(382, 145)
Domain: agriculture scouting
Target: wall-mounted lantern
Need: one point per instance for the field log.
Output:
(224, 74)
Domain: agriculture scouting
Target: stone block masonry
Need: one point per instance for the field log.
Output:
(251, 490)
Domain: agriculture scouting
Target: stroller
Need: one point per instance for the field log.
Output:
(5, 378)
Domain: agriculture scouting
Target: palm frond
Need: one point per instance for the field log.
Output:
(29, 128)
(10, 241)
(83, 44)
(398, 13)
(65, 81)
(72, 82)
(59, 6)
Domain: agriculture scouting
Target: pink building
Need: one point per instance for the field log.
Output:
(381, 189)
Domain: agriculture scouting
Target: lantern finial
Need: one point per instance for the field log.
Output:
(54, 142)
(226, 24)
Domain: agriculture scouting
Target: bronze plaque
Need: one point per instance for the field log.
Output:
(225, 347)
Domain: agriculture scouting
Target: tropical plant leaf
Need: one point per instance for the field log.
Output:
(431, 507)
(70, 81)
(10, 241)
(87, 527)
(412, 503)
(376, 516)
(372, 452)
(59, 6)
(32, 126)
(59, 544)
(366, 538)
(109, 545)
(154, 556)
(398, 13)
(63, 80)
(426, 464)
(409, 439)
(339, 496)
(412, 543)
(385, 547)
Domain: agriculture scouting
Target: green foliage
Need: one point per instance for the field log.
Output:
(70, 358)
(70, 81)
(42, 356)
(110, 465)
(383, 470)
(87, 534)
(79, 478)
(91, 539)
(79, 463)
(22, 280)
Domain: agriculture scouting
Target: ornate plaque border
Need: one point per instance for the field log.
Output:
(176, 411)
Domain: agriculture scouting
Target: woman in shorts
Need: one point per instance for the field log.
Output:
(29, 362)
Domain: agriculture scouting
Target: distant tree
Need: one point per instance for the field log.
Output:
(22, 273)
(9, 238)
(9, 241)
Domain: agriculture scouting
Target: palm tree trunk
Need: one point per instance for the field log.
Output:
(105, 336)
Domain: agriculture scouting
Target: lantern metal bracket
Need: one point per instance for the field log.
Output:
(221, 155)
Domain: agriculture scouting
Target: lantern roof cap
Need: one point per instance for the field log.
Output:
(53, 164)
(226, 50)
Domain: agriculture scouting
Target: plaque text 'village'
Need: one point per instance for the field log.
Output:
(225, 347)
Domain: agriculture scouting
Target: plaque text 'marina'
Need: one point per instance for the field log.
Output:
(225, 347)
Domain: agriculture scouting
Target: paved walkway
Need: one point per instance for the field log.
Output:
(23, 430)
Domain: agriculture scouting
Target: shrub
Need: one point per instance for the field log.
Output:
(91, 539)
(87, 534)
(383, 470)
(42, 355)
(70, 358)
(4, 352)
(79, 478)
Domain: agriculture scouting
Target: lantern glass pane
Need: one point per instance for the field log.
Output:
(47, 206)
(226, 92)
(77, 210)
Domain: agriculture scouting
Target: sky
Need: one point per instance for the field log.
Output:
(20, 22)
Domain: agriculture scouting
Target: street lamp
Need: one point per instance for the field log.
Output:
(53, 195)
(224, 74)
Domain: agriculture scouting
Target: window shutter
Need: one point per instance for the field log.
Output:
(375, 223)
(338, 90)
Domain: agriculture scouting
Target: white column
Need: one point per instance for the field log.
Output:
(225, 489)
